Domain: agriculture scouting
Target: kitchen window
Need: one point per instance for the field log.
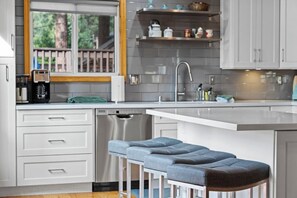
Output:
(76, 40)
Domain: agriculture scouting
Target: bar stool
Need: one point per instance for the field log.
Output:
(228, 175)
(118, 148)
(136, 155)
(156, 164)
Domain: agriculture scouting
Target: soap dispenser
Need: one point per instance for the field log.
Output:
(199, 93)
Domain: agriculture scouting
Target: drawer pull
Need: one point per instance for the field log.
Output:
(56, 118)
(56, 141)
(56, 171)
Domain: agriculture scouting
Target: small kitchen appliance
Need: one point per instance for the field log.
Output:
(40, 86)
(22, 89)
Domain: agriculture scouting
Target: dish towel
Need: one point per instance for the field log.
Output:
(225, 98)
(86, 99)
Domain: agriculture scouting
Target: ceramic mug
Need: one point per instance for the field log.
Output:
(209, 33)
(179, 7)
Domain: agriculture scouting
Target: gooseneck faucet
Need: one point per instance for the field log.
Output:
(176, 93)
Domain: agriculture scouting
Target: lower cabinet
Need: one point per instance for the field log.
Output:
(60, 169)
(57, 150)
(164, 127)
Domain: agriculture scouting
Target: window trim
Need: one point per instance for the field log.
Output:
(122, 50)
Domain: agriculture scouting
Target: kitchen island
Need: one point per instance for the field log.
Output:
(266, 136)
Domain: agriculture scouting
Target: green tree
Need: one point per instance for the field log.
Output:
(43, 30)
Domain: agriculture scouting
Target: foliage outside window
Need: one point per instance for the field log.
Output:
(75, 43)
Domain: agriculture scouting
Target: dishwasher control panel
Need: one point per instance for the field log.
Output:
(119, 111)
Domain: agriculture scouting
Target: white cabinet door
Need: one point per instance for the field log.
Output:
(267, 37)
(250, 34)
(164, 127)
(237, 32)
(7, 28)
(288, 31)
(244, 34)
(165, 130)
(286, 161)
(7, 125)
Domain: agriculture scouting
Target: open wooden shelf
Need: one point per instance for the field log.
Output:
(174, 11)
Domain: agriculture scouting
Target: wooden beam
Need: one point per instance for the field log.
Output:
(27, 62)
(123, 38)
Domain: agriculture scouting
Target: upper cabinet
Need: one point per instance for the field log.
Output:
(250, 34)
(288, 38)
(7, 28)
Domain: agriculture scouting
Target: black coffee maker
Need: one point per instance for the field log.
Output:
(40, 86)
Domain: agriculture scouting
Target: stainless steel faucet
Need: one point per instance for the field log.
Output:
(176, 93)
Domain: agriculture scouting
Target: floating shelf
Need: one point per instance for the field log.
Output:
(145, 38)
(174, 11)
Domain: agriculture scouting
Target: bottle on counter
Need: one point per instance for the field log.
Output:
(211, 94)
(199, 93)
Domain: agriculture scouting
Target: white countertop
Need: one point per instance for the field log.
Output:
(231, 119)
(154, 105)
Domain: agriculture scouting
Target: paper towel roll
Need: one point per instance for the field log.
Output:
(117, 88)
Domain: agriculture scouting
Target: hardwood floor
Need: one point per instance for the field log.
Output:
(75, 195)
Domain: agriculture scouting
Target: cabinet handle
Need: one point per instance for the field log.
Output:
(56, 118)
(7, 73)
(57, 171)
(260, 55)
(255, 55)
(53, 141)
(11, 41)
(283, 55)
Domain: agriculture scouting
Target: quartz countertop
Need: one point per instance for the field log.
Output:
(231, 119)
(155, 105)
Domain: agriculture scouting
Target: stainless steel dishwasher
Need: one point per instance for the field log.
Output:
(117, 124)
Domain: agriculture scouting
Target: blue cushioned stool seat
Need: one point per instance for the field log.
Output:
(120, 146)
(138, 153)
(160, 162)
(227, 173)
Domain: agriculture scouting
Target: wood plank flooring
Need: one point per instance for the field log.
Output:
(75, 195)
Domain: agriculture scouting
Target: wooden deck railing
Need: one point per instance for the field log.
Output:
(60, 60)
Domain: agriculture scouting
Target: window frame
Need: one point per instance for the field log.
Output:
(122, 48)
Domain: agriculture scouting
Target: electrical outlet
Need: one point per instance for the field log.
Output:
(279, 80)
(211, 79)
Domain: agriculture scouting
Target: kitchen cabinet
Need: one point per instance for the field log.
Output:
(288, 32)
(7, 99)
(250, 34)
(7, 123)
(7, 28)
(162, 12)
(57, 144)
(163, 127)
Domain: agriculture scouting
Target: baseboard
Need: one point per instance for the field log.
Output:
(46, 189)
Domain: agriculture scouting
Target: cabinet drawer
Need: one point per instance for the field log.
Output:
(54, 117)
(158, 119)
(54, 140)
(61, 169)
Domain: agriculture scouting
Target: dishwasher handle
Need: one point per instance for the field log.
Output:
(125, 116)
